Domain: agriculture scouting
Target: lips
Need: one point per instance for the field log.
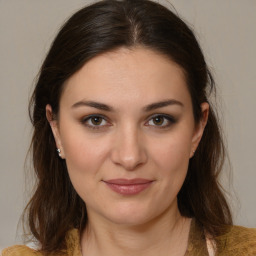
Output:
(128, 186)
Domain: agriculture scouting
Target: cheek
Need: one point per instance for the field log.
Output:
(173, 152)
(84, 158)
(84, 163)
(171, 159)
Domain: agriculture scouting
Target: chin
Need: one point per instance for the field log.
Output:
(129, 220)
(131, 215)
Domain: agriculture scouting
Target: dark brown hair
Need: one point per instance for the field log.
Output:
(107, 25)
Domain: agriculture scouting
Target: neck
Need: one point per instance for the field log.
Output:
(165, 235)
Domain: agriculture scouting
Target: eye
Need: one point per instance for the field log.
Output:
(95, 121)
(161, 121)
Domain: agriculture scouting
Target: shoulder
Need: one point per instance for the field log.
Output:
(239, 241)
(72, 243)
(242, 236)
(20, 250)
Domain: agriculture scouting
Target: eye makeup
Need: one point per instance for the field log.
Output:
(156, 121)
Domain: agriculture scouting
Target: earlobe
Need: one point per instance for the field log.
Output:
(55, 130)
(199, 129)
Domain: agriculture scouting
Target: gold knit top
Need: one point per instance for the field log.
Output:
(239, 241)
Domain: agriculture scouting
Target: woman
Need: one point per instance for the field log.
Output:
(123, 96)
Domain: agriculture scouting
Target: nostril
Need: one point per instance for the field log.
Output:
(128, 148)
(129, 159)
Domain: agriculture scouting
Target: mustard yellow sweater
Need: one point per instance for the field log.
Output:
(239, 241)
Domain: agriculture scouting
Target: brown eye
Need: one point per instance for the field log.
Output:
(96, 120)
(161, 121)
(158, 120)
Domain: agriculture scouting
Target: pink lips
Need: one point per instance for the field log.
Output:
(128, 187)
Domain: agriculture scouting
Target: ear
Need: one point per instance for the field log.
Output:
(55, 129)
(199, 128)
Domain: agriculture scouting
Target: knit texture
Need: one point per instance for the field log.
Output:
(239, 241)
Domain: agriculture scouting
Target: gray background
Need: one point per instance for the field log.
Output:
(227, 33)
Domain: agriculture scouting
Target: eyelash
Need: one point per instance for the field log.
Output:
(91, 126)
(167, 118)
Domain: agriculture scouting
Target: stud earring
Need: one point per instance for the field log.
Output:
(58, 151)
(193, 152)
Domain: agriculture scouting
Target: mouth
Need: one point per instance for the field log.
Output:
(128, 186)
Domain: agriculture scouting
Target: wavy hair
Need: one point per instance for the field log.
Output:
(55, 207)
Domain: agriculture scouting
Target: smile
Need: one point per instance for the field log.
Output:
(128, 187)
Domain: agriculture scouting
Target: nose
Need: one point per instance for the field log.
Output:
(129, 150)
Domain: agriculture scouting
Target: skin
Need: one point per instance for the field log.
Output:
(129, 142)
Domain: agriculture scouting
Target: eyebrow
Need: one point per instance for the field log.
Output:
(92, 104)
(162, 104)
(147, 108)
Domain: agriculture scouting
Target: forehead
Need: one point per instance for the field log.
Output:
(127, 76)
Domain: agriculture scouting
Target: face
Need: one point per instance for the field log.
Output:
(126, 131)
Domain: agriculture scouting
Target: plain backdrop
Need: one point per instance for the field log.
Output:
(227, 33)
